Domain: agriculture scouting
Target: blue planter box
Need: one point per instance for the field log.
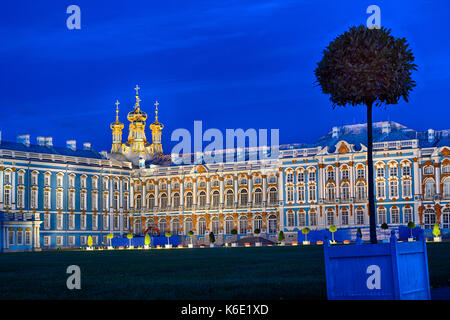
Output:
(382, 271)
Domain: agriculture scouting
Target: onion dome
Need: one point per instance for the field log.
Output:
(117, 124)
(137, 115)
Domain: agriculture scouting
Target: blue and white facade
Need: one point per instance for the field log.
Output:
(58, 196)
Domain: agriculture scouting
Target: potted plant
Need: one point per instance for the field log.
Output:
(384, 227)
(234, 233)
(168, 234)
(281, 238)
(332, 229)
(89, 243)
(437, 233)
(411, 226)
(305, 231)
(191, 235)
(109, 237)
(258, 243)
(129, 237)
(147, 241)
(212, 239)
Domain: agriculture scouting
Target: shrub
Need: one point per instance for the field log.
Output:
(281, 236)
(212, 238)
(257, 231)
(436, 230)
(234, 232)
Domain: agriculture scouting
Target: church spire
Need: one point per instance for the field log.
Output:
(156, 127)
(117, 128)
(136, 135)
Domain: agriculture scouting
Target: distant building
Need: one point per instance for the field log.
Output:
(56, 197)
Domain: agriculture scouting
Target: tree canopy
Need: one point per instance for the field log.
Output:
(363, 66)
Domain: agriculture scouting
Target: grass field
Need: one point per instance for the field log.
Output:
(218, 273)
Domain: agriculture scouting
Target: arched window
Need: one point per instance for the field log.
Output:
(429, 188)
(258, 196)
(272, 224)
(345, 191)
(302, 219)
(243, 225)
(137, 225)
(382, 216)
(243, 197)
(428, 170)
(187, 225)
(229, 224)
(359, 217)
(163, 201)
(229, 199)
(290, 194)
(393, 189)
(395, 215)
(406, 190)
(301, 193)
(202, 199)
(215, 199)
(312, 192)
(138, 202)
(446, 188)
(290, 219)
(176, 200)
(360, 191)
(201, 226)
(257, 223)
(151, 202)
(446, 218)
(330, 218)
(381, 191)
(331, 192)
(215, 225)
(301, 176)
(188, 201)
(407, 215)
(273, 196)
(162, 225)
(429, 218)
(344, 217)
(175, 227)
(312, 218)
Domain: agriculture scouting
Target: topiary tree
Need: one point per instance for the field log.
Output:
(190, 234)
(212, 238)
(89, 241)
(411, 226)
(281, 236)
(168, 234)
(256, 231)
(129, 237)
(436, 230)
(147, 240)
(305, 231)
(109, 236)
(332, 229)
(366, 67)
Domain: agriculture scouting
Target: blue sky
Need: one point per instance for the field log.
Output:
(232, 64)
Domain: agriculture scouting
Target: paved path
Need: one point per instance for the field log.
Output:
(440, 293)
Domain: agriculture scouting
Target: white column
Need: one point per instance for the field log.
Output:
(264, 190)
(417, 178)
(437, 173)
(236, 189)
(156, 194)
(337, 173)
(352, 181)
(321, 184)
(144, 195)
(208, 190)
(250, 191)
(121, 195)
(280, 187)
(13, 189)
(194, 196)
(169, 193)
(182, 192)
(131, 200)
(221, 189)
(1, 189)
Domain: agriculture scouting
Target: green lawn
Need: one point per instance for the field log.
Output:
(219, 273)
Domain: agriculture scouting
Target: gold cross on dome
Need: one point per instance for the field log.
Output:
(117, 103)
(156, 104)
(137, 89)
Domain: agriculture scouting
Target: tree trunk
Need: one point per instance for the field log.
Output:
(370, 180)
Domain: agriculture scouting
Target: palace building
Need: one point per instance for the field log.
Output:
(54, 196)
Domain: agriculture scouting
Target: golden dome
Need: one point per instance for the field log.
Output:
(117, 124)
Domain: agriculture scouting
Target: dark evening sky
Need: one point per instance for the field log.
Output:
(232, 64)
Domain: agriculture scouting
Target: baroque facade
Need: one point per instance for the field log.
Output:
(56, 197)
